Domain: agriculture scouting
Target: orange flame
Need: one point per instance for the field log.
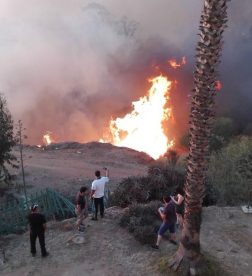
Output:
(142, 129)
(174, 64)
(218, 85)
(47, 139)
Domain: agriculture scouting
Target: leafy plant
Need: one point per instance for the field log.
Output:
(7, 140)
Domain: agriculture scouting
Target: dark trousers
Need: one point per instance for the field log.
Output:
(99, 202)
(41, 237)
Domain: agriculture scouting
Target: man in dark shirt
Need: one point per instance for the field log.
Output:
(168, 215)
(37, 223)
(81, 207)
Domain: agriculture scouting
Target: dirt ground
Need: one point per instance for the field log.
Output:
(105, 248)
(67, 166)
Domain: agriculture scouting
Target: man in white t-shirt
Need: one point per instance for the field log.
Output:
(97, 191)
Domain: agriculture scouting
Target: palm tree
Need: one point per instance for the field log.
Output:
(208, 51)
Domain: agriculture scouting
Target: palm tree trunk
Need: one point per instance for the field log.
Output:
(212, 24)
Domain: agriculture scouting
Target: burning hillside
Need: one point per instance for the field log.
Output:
(146, 126)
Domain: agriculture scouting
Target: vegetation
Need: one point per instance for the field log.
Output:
(230, 172)
(142, 221)
(7, 140)
(162, 179)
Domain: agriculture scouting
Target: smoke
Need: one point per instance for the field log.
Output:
(235, 100)
(68, 66)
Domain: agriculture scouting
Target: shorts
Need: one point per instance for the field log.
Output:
(165, 226)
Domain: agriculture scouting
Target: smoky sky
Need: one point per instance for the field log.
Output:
(69, 66)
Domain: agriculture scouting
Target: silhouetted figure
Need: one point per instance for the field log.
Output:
(37, 223)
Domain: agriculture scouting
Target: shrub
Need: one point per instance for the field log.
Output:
(230, 171)
(142, 220)
(160, 181)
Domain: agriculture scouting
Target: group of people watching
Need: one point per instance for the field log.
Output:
(171, 213)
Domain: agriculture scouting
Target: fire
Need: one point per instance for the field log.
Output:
(218, 85)
(47, 139)
(174, 64)
(142, 129)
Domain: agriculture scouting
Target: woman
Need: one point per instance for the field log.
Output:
(179, 201)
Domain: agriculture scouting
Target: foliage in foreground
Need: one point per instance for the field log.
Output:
(142, 220)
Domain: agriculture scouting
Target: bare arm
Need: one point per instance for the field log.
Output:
(161, 214)
(78, 207)
(106, 172)
(92, 193)
(179, 201)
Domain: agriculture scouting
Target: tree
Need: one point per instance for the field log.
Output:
(212, 24)
(223, 131)
(7, 140)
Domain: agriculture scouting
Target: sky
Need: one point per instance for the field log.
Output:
(68, 66)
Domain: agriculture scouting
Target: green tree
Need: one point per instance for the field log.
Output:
(223, 131)
(7, 140)
(212, 25)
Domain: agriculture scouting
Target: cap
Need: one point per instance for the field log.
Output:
(34, 207)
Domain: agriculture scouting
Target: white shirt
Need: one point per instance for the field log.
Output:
(98, 186)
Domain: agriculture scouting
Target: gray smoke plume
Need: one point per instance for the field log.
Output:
(69, 66)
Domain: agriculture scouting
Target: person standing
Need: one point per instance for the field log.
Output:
(168, 215)
(37, 223)
(81, 208)
(97, 192)
(179, 201)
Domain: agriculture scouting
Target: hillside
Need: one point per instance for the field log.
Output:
(105, 248)
(67, 166)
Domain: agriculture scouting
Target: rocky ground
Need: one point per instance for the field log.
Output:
(105, 248)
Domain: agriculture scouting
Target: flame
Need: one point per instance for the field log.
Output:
(47, 139)
(142, 129)
(174, 64)
(218, 85)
